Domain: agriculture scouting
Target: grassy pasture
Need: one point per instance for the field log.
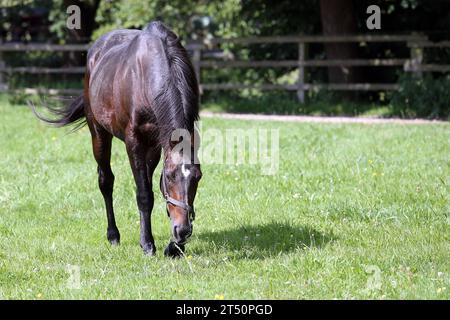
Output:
(355, 211)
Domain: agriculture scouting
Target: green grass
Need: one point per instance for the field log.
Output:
(356, 211)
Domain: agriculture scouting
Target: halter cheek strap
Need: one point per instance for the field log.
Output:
(175, 202)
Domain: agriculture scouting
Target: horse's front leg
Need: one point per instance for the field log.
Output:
(137, 152)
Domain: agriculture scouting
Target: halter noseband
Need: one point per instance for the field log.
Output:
(175, 202)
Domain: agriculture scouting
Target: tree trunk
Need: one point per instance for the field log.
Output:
(338, 18)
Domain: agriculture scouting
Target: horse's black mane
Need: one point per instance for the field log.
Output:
(177, 103)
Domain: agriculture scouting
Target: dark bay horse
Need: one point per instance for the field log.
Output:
(140, 87)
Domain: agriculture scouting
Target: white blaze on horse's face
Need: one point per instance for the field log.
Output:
(185, 171)
(178, 159)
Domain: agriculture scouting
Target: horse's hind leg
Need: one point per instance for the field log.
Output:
(101, 143)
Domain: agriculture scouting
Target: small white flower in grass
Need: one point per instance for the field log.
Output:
(296, 195)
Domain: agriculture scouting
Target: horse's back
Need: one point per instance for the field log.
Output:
(123, 59)
(126, 70)
(150, 38)
(106, 42)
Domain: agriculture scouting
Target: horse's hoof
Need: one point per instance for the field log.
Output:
(113, 237)
(174, 250)
(114, 242)
(149, 249)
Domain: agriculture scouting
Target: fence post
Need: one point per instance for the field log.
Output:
(3, 85)
(301, 73)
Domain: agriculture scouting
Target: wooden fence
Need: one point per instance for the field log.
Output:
(414, 63)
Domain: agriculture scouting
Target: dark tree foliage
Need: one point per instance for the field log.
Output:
(422, 16)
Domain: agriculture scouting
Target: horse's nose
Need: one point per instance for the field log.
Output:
(182, 232)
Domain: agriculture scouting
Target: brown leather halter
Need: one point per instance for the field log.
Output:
(175, 202)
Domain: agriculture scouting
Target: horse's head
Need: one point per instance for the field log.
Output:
(179, 181)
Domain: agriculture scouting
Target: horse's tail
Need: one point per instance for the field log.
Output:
(67, 115)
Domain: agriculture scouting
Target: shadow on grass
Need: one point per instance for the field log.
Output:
(264, 240)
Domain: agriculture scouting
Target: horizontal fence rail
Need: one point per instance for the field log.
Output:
(43, 70)
(42, 47)
(305, 63)
(200, 52)
(320, 39)
(294, 87)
